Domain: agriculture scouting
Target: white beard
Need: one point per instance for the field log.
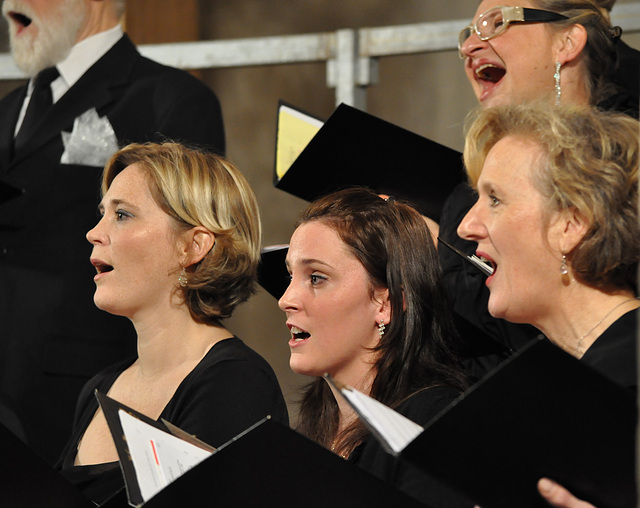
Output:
(54, 35)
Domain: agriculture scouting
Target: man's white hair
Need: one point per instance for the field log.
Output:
(56, 33)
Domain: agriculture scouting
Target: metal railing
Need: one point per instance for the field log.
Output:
(350, 54)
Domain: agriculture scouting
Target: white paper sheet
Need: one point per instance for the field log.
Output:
(158, 457)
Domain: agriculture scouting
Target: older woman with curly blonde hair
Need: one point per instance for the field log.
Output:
(557, 218)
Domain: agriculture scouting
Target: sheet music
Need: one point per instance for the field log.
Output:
(158, 457)
(394, 430)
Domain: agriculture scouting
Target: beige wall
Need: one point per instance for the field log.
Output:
(427, 94)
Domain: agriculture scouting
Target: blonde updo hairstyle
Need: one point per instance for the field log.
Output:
(590, 163)
(197, 188)
(600, 50)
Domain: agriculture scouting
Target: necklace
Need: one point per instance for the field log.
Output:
(580, 339)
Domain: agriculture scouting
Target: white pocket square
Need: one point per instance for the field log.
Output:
(91, 142)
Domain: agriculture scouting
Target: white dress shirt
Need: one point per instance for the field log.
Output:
(81, 57)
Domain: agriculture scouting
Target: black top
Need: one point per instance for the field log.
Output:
(613, 354)
(370, 456)
(228, 391)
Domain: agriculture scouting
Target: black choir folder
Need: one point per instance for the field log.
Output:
(540, 414)
(268, 465)
(273, 275)
(354, 148)
(26, 480)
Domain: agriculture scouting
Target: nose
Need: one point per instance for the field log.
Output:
(471, 226)
(471, 45)
(96, 235)
(288, 301)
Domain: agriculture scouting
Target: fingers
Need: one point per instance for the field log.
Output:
(556, 495)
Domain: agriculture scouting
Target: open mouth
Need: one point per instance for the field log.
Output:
(102, 267)
(20, 19)
(298, 334)
(490, 73)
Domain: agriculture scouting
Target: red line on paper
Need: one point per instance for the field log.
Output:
(155, 454)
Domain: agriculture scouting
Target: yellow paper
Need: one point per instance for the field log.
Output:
(295, 130)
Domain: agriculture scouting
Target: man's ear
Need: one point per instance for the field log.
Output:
(570, 43)
(198, 241)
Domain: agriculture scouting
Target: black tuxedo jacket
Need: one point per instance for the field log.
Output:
(52, 337)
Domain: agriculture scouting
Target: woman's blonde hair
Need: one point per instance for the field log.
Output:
(590, 163)
(197, 188)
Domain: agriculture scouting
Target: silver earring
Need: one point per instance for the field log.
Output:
(182, 278)
(564, 270)
(556, 76)
(381, 328)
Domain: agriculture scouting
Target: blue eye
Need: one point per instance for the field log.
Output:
(494, 201)
(317, 279)
(122, 215)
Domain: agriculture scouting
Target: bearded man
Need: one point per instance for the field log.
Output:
(90, 91)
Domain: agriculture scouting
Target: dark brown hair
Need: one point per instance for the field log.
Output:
(395, 246)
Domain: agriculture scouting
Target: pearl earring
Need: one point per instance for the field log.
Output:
(564, 269)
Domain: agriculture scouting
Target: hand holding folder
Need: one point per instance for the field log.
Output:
(541, 413)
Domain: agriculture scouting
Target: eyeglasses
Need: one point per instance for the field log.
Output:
(496, 20)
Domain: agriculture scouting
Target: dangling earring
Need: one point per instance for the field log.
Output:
(182, 278)
(556, 76)
(564, 270)
(381, 328)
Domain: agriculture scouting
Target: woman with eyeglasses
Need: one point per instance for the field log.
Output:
(514, 51)
(566, 50)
